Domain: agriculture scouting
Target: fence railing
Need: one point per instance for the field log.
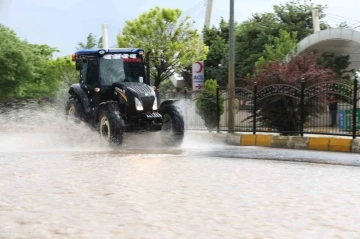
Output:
(330, 108)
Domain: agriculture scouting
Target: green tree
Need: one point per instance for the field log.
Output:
(338, 63)
(40, 84)
(54, 79)
(343, 25)
(100, 44)
(91, 42)
(251, 37)
(15, 67)
(216, 61)
(278, 48)
(296, 16)
(28, 70)
(62, 71)
(206, 105)
(253, 34)
(167, 34)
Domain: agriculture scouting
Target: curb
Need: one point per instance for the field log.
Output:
(296, 142)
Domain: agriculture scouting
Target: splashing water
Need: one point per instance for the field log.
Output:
(34, 128)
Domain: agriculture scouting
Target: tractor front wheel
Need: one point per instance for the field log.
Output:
(111, 125)
(173, 124)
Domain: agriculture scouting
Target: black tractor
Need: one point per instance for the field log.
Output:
(114, 96)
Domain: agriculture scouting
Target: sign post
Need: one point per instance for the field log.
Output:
(198, 76)
(235, 106)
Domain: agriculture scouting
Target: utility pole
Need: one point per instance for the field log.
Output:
(231, 77)
(315, 19)
(209, 4)
(105, 36)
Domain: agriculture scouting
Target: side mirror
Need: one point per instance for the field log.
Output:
(163, 65)
(78, 64)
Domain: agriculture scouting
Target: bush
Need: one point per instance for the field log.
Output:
(206, 105)
(280, 111)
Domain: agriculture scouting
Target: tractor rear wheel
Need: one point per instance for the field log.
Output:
(173, 124)
(111, 125)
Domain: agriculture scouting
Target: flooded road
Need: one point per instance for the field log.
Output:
(60, 181)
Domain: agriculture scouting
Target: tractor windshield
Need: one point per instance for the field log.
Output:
(121, 68)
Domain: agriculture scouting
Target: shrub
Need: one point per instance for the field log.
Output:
(280, 111)
(206, 105)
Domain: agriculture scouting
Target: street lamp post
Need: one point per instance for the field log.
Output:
(231, 77)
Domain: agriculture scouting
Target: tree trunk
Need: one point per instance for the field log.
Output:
(157, 79)
(157, 82)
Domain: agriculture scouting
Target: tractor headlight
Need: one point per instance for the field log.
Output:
(138, 105)
(155, 105)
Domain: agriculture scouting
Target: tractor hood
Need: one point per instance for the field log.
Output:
(143, 92)
(138, 89)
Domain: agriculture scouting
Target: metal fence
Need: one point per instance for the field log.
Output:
(187, 103)
(329, 108)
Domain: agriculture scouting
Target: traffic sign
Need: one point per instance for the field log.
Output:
(199, 86)
(198, 76)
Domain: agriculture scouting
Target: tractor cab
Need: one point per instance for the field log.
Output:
(101, 69)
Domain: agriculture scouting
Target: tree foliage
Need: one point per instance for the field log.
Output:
(338, 63)
(296, 16)
(278, 48)
(167, 34)
(251, 37)
(91, 42)
(256, 37)
(28, 70)
(216, 62)
(206, 105)
(15, 67)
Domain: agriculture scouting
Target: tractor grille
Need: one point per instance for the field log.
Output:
(140, 88)
(152, 116)
(148, 102)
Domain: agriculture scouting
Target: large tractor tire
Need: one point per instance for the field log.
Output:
(173, 124)
(111, 124)
(74, 110)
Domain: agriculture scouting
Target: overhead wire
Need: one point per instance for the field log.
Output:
(338, 16)
(339, 19)
(200, 15)
(334, 20)
(193, 9)
(356, 23)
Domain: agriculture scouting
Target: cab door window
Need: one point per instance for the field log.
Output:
(92, 73)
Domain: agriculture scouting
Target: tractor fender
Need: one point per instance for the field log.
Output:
(76, 90)
(104, 106)
(106, 103)
(166, 103)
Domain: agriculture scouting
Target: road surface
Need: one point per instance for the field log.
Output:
(60, 181)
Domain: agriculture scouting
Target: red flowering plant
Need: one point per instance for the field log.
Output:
(279, 87)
